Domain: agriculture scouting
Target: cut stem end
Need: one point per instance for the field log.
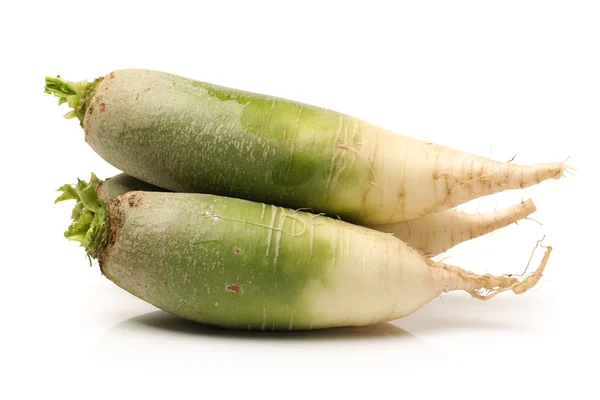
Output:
(89, 223)
(75, 94)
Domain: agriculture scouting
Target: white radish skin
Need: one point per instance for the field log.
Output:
(436, 233)
(413, 178)
(384, 279)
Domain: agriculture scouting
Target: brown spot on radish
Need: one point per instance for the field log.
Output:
(111, 75)
(363, 200)
(472, 230)
(401, 194)
(234, 288)
(236, 250)
(91, 110)
(102, 107)
(133, 200)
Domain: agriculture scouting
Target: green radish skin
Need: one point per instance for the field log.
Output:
(432, 234)
(190, 136)
(246, 265)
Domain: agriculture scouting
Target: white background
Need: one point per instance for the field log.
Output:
(492, 78)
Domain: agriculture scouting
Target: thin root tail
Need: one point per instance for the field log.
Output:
(517, 286)
(485, 287)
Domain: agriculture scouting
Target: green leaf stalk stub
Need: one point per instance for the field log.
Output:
(88, 226)
(75, 94)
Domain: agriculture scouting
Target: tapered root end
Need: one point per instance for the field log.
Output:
(518, 286)
(485, 287)
(520, 177)
(547, 171)
(526, 208)
(485, 177)
(507, 216)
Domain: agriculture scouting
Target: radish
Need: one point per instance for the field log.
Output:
(432, 234)
(240, 264)
(190, 136)
(436, 233)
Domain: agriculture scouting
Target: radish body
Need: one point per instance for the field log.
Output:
(246, 265)
(190, 136)
(432, 234)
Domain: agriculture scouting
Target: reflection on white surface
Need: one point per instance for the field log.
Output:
(159, 336)
(162, 322)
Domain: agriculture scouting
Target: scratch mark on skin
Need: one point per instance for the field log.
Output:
(398, 271)
(375, 148)
(333, 157)
(314, 132)
(263, 324)
(436, 173)
(291, 324)
(298, 124)
(310, 325)
(348, 246)
(272, 225)
(365, 249)
(334, 242)
(372, 183)
(312, 235)
(342, 160)
(270, 113)
(278, 238)
(341, 247)
(345, 135)
(386, 158)
(401, 183)
(385, 259)
(263, 212)
(355, 133)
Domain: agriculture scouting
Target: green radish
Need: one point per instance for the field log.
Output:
(190, 136)
(246, 265)
(432, 234)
